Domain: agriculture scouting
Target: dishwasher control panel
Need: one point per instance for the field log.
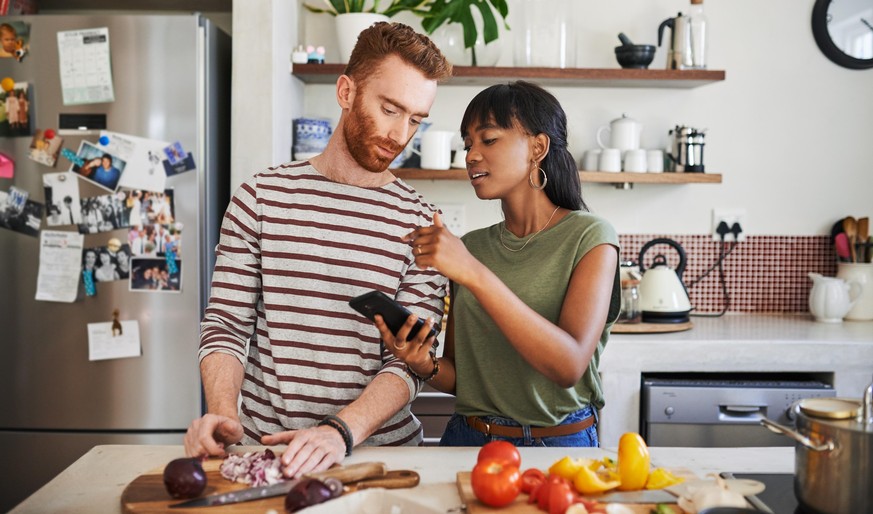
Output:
(720, 411)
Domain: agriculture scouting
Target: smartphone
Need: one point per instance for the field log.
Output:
(394, 314)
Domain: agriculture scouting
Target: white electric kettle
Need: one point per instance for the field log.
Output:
(663, 298)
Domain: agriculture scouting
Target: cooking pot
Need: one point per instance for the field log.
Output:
(833, 457)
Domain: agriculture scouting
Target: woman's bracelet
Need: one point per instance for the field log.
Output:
(340, 426)
(436, 369)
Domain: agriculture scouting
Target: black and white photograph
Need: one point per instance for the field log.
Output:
(108, 263)
(98, 166)
(24, 217)
(62, 202)
(15, 111)
(152, 275)
(102, 214)
(45, 147)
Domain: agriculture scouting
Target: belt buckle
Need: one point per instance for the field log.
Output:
(487, 428)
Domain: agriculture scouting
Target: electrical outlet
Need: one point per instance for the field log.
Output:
(454, 217)
(734, 220)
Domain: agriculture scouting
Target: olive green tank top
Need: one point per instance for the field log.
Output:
(492, 378)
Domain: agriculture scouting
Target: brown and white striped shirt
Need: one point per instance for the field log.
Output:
(295, 247)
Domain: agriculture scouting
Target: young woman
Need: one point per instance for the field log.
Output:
(533, 298)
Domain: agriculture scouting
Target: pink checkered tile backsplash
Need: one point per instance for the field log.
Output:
(763, 273)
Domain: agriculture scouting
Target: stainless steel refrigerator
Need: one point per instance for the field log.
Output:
(171, 80)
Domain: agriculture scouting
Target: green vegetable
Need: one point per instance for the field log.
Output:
(663, 508)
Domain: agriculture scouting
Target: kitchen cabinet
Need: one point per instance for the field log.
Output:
(567, 77)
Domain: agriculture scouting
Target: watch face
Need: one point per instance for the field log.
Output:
(844, 31)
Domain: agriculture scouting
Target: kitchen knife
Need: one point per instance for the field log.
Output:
(394, 479)
(345, 474)
(644, 496)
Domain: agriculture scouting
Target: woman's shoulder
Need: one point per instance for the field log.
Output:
(590, 225)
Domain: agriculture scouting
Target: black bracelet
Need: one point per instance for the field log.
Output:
(436, 369)
(340, 426)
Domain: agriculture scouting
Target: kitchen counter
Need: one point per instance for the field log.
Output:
(735, 343)
(94, 483)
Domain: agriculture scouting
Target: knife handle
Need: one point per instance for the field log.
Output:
(352, 472)
(395, 479)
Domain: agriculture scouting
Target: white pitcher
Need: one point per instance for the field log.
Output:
(831, 298)
(624, 134)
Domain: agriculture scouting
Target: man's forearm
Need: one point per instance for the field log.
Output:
(385, 395)
(222, 376)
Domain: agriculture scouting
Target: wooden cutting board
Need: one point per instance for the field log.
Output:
(520, 506)
(147, 494)
(650, 328)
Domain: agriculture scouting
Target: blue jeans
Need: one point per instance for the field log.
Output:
(458, 433)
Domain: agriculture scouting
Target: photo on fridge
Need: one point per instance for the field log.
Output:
(20, 216)
(45, 150)
(107, 265)
(63, 206)
(14, 39)
(155, 240)
(16, 111)
(98, 166)
(153, 275)
(103, 213)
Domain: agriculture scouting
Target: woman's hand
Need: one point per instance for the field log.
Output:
(436, 247)
(415, 352)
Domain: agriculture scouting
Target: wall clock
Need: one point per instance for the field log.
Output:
(843, 30)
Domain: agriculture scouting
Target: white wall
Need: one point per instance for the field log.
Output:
(789, 131)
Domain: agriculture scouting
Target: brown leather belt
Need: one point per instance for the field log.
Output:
(477, 423)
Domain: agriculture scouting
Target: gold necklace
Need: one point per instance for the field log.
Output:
(503, 229)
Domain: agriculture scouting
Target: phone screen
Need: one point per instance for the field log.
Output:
(394, 314)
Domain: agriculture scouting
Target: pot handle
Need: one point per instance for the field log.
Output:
(802, 439)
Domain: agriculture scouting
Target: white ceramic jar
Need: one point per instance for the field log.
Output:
(861, 273)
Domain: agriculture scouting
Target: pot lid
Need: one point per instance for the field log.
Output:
(830, 408)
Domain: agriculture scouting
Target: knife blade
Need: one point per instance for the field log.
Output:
(644, 496)
(345, 474)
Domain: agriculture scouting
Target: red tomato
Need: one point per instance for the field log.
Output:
(495, 483)
(502, 451)
(530, 478)
(560, 498)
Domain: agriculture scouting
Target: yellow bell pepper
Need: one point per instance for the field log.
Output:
(588, 481)
(633, 462)
(660, 478)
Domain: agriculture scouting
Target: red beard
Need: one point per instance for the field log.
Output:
(362, 141)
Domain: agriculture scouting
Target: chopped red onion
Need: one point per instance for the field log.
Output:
(253, 468)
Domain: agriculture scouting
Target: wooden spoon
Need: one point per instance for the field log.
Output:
(863, 234)
(850, 227)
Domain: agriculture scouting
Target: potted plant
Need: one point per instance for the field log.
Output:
(434, 14)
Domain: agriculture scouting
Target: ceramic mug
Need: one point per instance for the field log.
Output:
(654, 161)
(624, 134)
(590, 159)
(460, 159)
(861, 273)
(610, 160)
(436, 149)
(635, 160)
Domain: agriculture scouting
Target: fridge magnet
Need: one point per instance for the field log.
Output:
(117, 329)
(14, 40)
(104, 342)
(15, 118)
(98, 166)
(26, 219)
(155, 240)
(59, 266)
(63, 206)
(102, 213)
(151, 275)
(108, 263)
(177, 161)
(89, 263)
(45, 149)
(86, 72)
(144, 169)
(7, 166)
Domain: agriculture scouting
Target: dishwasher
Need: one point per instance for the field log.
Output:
(721, 410)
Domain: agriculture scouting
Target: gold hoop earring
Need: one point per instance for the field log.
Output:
(531, 182)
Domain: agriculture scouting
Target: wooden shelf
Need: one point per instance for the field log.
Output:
(601, 177)
(571, 77)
